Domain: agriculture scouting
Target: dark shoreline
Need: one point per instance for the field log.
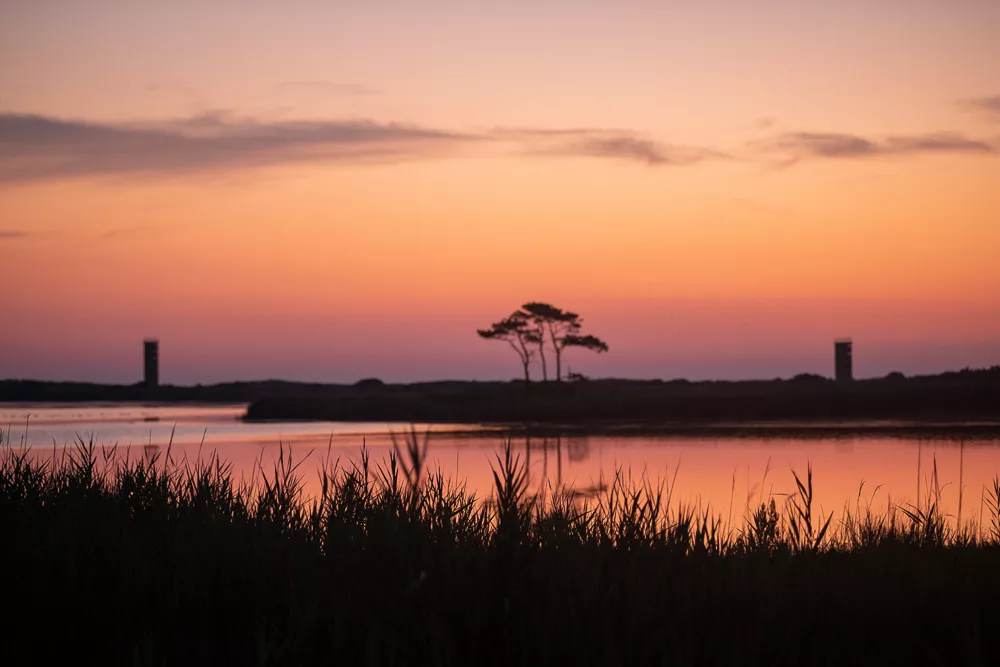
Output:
(802, 405)
(915, 430)
(936, 430)
(954, 405)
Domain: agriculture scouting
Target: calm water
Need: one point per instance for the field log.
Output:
(725, 473)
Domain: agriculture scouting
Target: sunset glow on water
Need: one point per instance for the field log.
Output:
(725, 475)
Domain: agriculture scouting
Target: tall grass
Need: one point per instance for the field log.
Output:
(152, 560)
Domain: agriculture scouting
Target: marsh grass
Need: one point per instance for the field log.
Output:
(151, 560)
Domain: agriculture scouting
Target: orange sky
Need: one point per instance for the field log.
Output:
(311, 191)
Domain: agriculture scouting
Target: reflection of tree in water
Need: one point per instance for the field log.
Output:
(538, 449)
(578, 448)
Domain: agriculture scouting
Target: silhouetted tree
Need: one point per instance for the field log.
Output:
(592, 343)
(556, 323)
(518, 331)
(563, 330)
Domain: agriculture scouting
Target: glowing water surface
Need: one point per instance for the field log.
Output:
(727, 474)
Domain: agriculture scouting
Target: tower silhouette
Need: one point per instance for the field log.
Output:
(843, 352)
(151, 362)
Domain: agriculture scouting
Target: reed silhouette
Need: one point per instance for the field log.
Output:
(150, 560)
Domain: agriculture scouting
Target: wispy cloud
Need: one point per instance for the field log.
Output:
(39, 147)
(13, 234)
(636, 149)
(609, 144)
(989, 105)
(331, 87)
(795, 146)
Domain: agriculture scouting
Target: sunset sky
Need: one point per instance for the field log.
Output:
(334, 190)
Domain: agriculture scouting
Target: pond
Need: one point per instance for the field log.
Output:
(726, 474)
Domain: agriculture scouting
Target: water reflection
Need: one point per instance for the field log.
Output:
(733, 475)
(728, 474)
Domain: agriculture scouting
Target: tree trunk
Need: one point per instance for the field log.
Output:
(527, 371)
(541, 354)
(558, 365)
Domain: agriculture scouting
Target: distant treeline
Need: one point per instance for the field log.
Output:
(966, 394)
(227, 392)
(950, 396)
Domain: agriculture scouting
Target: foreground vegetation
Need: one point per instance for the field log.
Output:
(150, 561)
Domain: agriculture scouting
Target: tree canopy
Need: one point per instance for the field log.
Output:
(537, 327)
(518, 331)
